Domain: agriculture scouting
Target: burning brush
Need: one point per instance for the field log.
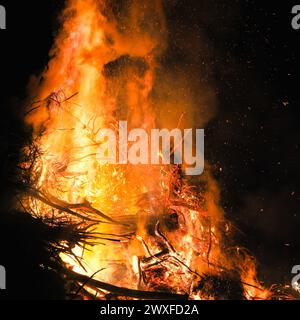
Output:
(122, 231)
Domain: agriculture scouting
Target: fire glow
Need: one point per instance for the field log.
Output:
(154, 233)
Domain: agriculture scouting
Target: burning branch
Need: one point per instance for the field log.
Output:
(122, 292)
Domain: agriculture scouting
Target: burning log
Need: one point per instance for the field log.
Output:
(122, 292)
(221, 287)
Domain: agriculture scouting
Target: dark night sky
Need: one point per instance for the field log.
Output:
(253, 141)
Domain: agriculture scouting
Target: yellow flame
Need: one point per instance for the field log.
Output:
(104, 70)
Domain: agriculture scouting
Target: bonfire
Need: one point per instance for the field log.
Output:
(126, 231)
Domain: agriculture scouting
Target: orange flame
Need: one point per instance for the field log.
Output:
(104, 68)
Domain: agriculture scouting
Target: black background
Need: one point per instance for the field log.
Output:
(252, 142)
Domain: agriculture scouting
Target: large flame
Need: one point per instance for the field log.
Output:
(156, 232)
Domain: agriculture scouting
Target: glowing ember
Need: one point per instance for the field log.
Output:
(152, 230)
